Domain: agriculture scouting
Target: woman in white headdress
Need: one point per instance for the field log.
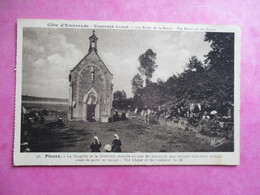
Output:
(116, 144)
(96, 145)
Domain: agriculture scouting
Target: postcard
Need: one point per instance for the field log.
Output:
(126, 93)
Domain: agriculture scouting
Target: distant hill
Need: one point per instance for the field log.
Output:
(33, 98)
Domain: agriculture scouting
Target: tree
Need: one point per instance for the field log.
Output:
(147, 64)
(221, 57)
(121, 101)
(195, 64)
(154, 94)
(119, 95)
(137, 83)
(220, 62)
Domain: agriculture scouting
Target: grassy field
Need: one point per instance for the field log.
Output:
(135, 134)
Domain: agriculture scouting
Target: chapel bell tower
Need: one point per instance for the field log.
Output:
(93, 43)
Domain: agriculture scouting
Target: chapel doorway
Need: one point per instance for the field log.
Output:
(91, 112)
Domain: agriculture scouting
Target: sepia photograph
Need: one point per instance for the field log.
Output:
(116, 88)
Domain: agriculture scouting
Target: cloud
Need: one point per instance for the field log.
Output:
(123, 70)
(46, 70)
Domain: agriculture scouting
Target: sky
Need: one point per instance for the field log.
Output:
(49, 54)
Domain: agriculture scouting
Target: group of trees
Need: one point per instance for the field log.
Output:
(210, 83)
(119, 95)
(120, 101)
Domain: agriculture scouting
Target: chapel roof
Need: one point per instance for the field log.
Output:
(91, 38)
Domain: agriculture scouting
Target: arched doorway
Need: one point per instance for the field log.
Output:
(91, 106)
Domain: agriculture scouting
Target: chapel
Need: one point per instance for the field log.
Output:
(90, 87)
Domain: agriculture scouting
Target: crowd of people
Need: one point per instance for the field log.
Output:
(194, 115)
(116, 145)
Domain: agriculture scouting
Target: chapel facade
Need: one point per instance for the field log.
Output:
(90, 88)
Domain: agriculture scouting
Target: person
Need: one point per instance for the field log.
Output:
(96, 145)
(123, 116)
(116, 116)
(60, 121)
(92, 117)
(41, 118)
(136, 111)
(107, 148)
(116, 144)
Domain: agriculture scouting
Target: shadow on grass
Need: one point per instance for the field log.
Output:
(53, 138)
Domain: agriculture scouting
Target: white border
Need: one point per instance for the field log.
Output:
(169, 158)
